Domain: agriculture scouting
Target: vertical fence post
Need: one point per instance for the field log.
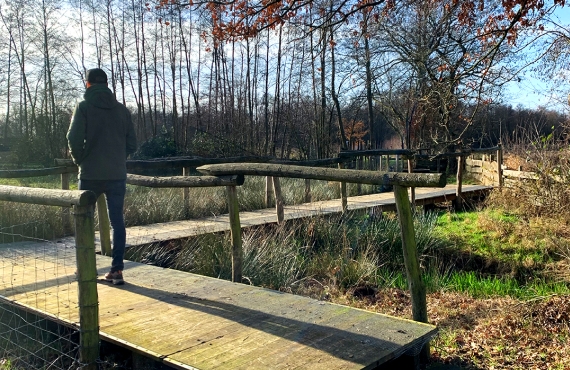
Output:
(65, 214)
(397, 163)
(308, 196)
(87, 286)
(186, 192)
(235, 227)
(411, 260)
(359, 166)
(500, 165)
(278, 200)
(104, 226)
(268, 189)
(458, 190)
(412, 189)
(343, 200)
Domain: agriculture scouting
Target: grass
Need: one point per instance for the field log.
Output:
(495, 242)
(32, 342)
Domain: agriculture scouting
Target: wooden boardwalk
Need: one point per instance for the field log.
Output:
(147, 234)
(189, 321)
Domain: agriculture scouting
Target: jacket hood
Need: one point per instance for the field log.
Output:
(100, 96)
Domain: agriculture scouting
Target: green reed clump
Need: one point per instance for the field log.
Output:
(341, 250)
(21, 222)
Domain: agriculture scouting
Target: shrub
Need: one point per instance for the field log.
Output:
(157, 147)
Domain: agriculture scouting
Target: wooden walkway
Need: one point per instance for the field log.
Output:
(147, 234)
(189, 321)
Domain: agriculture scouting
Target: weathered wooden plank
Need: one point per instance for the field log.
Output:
(473, 162)
(490, 166)
(226, 346)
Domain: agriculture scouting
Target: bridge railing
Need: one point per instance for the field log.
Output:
(82, 203)
(387, 160)
(400, 182)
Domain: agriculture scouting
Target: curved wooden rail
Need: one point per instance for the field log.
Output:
(327, 174)
(185, 181)
(49, 197)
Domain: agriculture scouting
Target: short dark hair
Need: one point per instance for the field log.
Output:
(96, 76)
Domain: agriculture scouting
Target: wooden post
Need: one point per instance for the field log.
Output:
(500, 165)
(104, 226)
(308, 196)
(343, 200)
(235, 227)
(268, 190)
(411, 260)
(359, 166)
(278, 200)
(458, 195)
(65, 214)
(186, 192)
(412, 189)
(87, 286)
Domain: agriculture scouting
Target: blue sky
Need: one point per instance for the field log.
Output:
(531, 92)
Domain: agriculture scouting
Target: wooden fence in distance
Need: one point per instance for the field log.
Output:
(488, 169)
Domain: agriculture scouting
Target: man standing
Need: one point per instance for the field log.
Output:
(100, 138)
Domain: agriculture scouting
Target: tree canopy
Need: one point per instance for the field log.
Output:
(245, 18)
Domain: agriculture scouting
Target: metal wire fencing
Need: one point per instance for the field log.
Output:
(38, 294)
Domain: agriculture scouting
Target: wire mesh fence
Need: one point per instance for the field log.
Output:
(38, 298)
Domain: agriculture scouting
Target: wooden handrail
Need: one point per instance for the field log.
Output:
(175, 162)
(327, 174)
(49, 197)
(185, 181)
(358, 153)
(37, 172)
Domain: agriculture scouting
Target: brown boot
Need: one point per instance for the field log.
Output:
(115, 277)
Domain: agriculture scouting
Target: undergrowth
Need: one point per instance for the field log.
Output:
(346, 253)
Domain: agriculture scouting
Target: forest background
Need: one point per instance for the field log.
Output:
(287, 79)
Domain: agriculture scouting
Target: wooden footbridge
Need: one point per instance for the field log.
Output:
(139, 235)
(189, 321)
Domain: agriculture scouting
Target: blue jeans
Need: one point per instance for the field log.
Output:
(114, 191)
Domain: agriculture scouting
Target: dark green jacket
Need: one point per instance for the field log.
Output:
(101, 136)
